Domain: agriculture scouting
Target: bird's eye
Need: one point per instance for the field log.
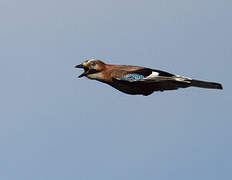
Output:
(93, 63)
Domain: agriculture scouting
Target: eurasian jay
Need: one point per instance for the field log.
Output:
(138, 80)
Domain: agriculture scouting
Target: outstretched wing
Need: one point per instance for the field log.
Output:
(146, 80)
(146, 75)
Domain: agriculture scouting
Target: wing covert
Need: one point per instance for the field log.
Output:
(146, 75)
(131, 77)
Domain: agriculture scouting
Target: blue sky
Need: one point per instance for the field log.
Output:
(56, 126)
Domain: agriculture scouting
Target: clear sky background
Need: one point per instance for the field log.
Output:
(56, 126)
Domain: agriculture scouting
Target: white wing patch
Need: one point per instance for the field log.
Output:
(155, 77)
(182, 78)
(152, 75)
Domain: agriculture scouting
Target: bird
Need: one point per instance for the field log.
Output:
(138, 80)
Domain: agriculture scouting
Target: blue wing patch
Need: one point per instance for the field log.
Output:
(132, 77)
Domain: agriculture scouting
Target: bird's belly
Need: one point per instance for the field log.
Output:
(132, 88)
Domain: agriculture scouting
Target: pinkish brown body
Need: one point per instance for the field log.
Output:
(138, 80)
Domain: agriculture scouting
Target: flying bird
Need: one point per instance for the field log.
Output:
(138, 80)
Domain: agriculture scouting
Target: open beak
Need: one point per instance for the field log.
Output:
(85, 70)
(79, 66)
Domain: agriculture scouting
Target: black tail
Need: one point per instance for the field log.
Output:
(204, 84)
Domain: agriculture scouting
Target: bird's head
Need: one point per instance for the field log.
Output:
(92, 68)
